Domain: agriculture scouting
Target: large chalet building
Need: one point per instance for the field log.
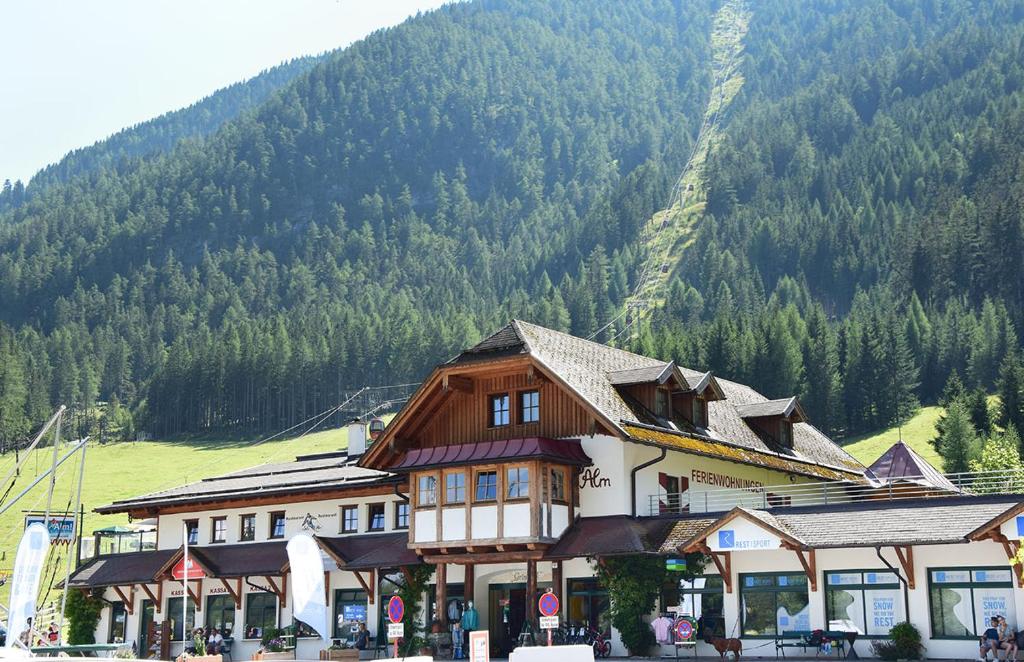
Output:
(524, 461)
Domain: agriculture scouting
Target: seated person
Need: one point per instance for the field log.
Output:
(362, 637)
(1007, 638)
(990, 641)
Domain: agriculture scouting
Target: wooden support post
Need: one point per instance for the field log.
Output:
(196, 595)
(531, 592)
(556, 578)
(235, 593)
(128, 600)
(441, 592)
(810, 567)
(906, 556)
(367, 584)
(722, 561)
(282, 598)
(151, 596)
(468, 581)
(327, 587)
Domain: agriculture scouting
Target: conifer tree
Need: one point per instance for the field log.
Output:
(957, 443)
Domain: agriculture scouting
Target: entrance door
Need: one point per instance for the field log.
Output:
(507, 610)
(146, 630)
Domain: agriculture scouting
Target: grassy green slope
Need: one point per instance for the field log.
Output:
(918, 433)
(120, 470)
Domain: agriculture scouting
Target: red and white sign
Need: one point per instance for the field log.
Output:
(195, 571)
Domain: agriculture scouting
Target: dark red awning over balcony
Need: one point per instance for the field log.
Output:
(563, 451)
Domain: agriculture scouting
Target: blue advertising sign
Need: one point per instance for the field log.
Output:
(61, 527)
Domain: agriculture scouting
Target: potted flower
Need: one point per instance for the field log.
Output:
(340, 651)
(273, 647)
(199, 646)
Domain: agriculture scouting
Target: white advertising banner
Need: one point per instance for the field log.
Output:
(307, 581)
(28, 566)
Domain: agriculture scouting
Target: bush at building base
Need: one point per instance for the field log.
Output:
(634, 584)
(904, 643)
(83, 613)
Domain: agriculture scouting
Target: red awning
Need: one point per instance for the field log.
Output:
(564, 451)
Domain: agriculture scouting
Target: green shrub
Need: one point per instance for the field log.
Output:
(83, 613)
(904, 643)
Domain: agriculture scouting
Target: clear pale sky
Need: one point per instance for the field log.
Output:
(76, 71)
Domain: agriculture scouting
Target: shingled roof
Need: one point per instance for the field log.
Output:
(902, 464)
(121, 569)
(614, 535)
(310, 473)
(863, 524)
(592, 370)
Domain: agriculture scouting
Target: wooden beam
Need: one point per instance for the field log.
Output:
(441, 592)
(406, 574)
(367, 583)
(722, 561)
(156, 600)
(129, 602)
(457, 383)
(500, 557)
(281, 597)
(556, 578)
(531, 591)
(469, 577)
(906, 556)
(327, 587)
(1010, 547)
(810, 567)
(197, 594)
(235, 593)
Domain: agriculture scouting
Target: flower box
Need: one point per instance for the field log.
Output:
(199, 658)
(267, 655)
(344, 654)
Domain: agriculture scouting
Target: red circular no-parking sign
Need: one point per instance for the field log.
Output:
(548, 604)
(396, 609)
(684, 629)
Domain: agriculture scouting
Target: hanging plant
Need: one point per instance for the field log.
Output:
(411, 592)
(634, 584)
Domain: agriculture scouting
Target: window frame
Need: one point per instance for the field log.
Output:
(174, 613)
(862, 587)
(398, 526)
(518, 469)
(674, 582)
(476, 485)
(245, 614)
(419, 490)
(214, 521)
(273, 517)
(448, 501)
(522, 408)
(347, 596)
(564, 499)
(345, 510)
(775, 590)
(113, 621)
(241, 527)
(971, 585)
(507, 410)
(370, 528)
(192, 525)
(208, 611)
(662, 394)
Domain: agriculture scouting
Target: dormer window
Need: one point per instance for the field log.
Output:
(786, 433)
(698, 415)
(661, 406)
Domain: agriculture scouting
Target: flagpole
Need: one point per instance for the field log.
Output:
(184, 594)
(72, 549)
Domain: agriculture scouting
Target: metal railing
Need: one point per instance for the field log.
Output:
(1007, 481)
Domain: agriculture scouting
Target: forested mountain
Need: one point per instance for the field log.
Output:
(497, 158)
(160, 134)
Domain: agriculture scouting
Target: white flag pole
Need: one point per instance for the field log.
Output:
(184, 594)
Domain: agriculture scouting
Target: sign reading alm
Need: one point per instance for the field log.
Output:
(195, 571)
(61, 527)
